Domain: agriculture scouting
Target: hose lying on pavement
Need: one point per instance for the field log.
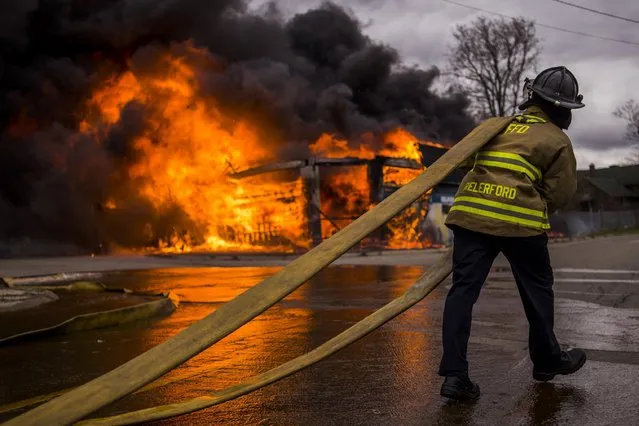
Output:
(160, 359)
(424, 285)
(436, 274)
(13, 406)
(50, 279)
(102, 319)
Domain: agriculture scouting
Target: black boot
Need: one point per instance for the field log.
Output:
(459, 388)
(571, 361)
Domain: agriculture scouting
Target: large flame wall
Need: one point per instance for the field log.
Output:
(121, 119)
(188, 147)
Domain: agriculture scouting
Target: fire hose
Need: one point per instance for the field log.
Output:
(83, 400)
(436, 274)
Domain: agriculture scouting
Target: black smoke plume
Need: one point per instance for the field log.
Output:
(316, 72)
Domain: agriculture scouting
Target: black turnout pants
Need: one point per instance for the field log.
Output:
(473, 256)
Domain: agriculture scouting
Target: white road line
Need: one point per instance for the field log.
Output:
(594, 280)
(590, 293)
(557, 291)
(595, 271)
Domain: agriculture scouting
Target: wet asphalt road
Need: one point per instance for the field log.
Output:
(389, 377)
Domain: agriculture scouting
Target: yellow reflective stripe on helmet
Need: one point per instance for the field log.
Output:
(513, 159)
(507, 166)
(500, 216)
(503, 206)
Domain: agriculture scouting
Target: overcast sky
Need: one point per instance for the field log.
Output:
(607, 71)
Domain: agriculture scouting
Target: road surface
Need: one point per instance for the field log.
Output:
(389, 377)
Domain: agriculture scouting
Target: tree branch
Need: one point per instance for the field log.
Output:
(490, 58)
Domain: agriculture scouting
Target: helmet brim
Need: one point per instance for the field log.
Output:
(560, 103)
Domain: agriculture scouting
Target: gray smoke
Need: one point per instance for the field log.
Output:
(316, 72)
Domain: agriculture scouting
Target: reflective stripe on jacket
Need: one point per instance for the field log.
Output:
(517, 179)
(507, 160)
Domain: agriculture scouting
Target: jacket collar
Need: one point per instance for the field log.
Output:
(536, 111)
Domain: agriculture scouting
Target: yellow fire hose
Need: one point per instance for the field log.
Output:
(436, 274)
(102, 319)
(157, 361)
(18, 405)
(424, 285)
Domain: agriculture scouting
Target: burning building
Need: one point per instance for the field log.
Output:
(143, 125)
(336, 189)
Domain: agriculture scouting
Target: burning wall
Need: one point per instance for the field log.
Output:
(121, 121)
(336, 191)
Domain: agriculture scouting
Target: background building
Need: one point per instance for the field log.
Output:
(612, 188)
(606, 200)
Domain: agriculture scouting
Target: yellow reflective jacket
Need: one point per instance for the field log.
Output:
(517, 179)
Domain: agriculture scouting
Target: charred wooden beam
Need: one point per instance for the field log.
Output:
(288, 165)
(311, 178)
(376, 191)
(351, 218)
(376, 179)
(347, 161)
(403, 163)
(327, 162)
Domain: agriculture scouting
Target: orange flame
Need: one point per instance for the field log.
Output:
(189, 147)
(345, 195)
(397, 143)
(398, 176)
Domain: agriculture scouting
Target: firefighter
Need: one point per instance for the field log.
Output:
(520, 177)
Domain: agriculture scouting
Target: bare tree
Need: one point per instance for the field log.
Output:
(490, 58)
(630, 113)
